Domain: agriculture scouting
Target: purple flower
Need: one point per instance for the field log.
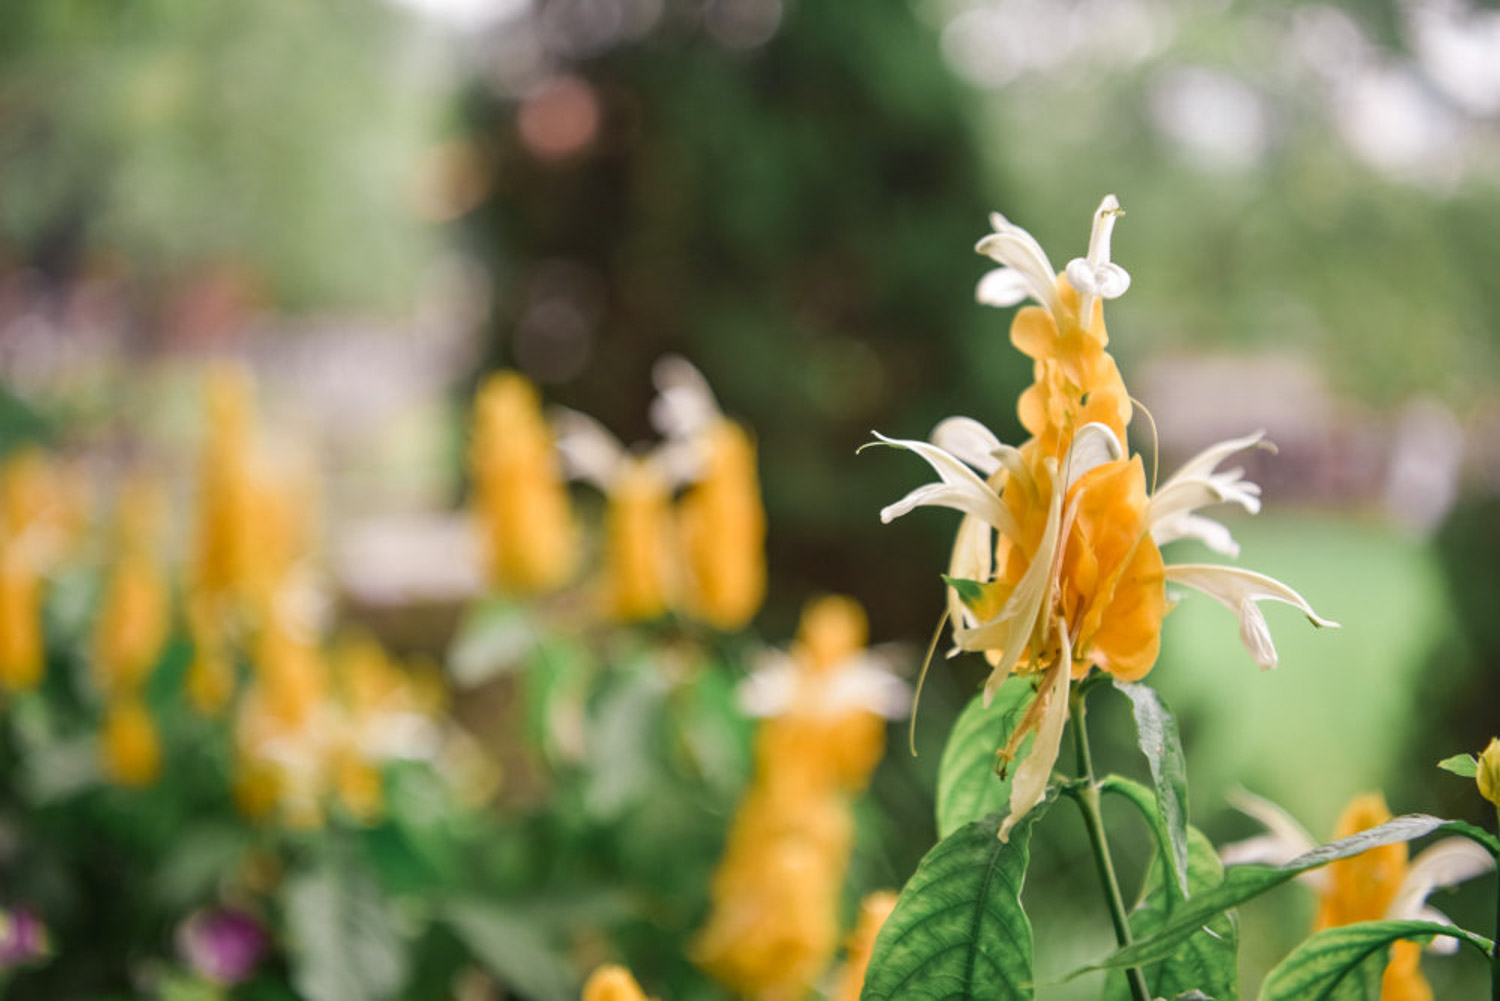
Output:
(222, 944)
(23, 938)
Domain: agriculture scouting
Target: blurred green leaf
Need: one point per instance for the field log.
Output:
(1156, 733)
(513, 948)
(968, 786)
(343, 941)
(958, 930)
(1345, 964)
(622, 738)
(199, 858)
(495, 638)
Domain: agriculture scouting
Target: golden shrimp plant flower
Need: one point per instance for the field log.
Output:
(1381, 884)
(1057, 567)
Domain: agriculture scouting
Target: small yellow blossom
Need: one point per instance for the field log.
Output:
(519, 494)
(637, 542)
(1059, 544)
(612, 983)
(133, 619)
(1488, 776)
(210, 679)
(129, 747)
(226, 532)
(873, 912)
(22, 655)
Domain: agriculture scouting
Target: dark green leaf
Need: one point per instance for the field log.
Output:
(346, 945)
(968, 786)
(513, 948)
(1461, 764)
(970, 592)
(1345, 964)
(958, 930)
(1207, 960)
(1247, 881)
(1156, 732)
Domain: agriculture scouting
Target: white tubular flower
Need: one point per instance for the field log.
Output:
(589, 451)
(1026, 273)
(684, 404)
(1198, 484)
(1239, 590)
(1096, 276)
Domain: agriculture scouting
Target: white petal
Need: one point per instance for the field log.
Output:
(1105, 217)
(1288, 837)
(1035, 770)
(1198, 484)
(1182, 525)
(1445, 863)
(589, 452)
(1002, 287)
(970, 440)
(973, 559)
(1093, 445)
(771, 688)
(685, 404)
(1441, 945)
(960, 489)
(1206, 461)
(1018, 250)
(865, 684)
(1239, 590)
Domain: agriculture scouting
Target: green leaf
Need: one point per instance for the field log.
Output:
(494, 639)
(958, 931)
(346, 946)
(1461, 764)
(1207, 960)
(513, 948)
(1346, 963)
(968, 786)
(1246, 881)
(970, 592)
(1156, 732)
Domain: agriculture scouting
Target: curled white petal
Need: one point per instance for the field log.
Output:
(1239, 590)
(1445, 863)
(1440, 945)
(684, 404)
(970, 441)
(1096, 276)
(589, 451)
(1093, 445)
(1002, 287)
(1035, 770)
(973, 559)
(960, 488)
(1213, 534)
(866, 683)
(1018, 250)
(771, 687)
(1199, 483)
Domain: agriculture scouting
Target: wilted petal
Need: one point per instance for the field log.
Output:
(1035, 770)
(1239, 590)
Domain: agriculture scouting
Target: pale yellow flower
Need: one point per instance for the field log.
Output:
(612, 983)
(1488, 776)
(129, 747)
(134, 618)
(873, 912)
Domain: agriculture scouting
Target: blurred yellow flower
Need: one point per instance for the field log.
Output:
(41, 514)
(774, 923)
(225, 531)
(873, 911)
(1057, 555)
(1377, 885)
(612, 983)
(129, 747)
(21, 652)
(723, 523)
(210, 679)
(1488, 776)
(133, 619)
(519, 495)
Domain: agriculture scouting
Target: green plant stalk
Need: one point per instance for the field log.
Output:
(1086, 795)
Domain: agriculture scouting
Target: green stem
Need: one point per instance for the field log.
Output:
(1086, 795)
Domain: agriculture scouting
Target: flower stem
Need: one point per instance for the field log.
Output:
(1086, 795)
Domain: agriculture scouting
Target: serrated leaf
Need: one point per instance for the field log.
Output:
(1246, 881)
(513, 948)
(958, 931)
(1205, 962)
(967, 786)
(1345, 964)
(346, 945)
(1156, 733)
(1461, 764)
(970, 592)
